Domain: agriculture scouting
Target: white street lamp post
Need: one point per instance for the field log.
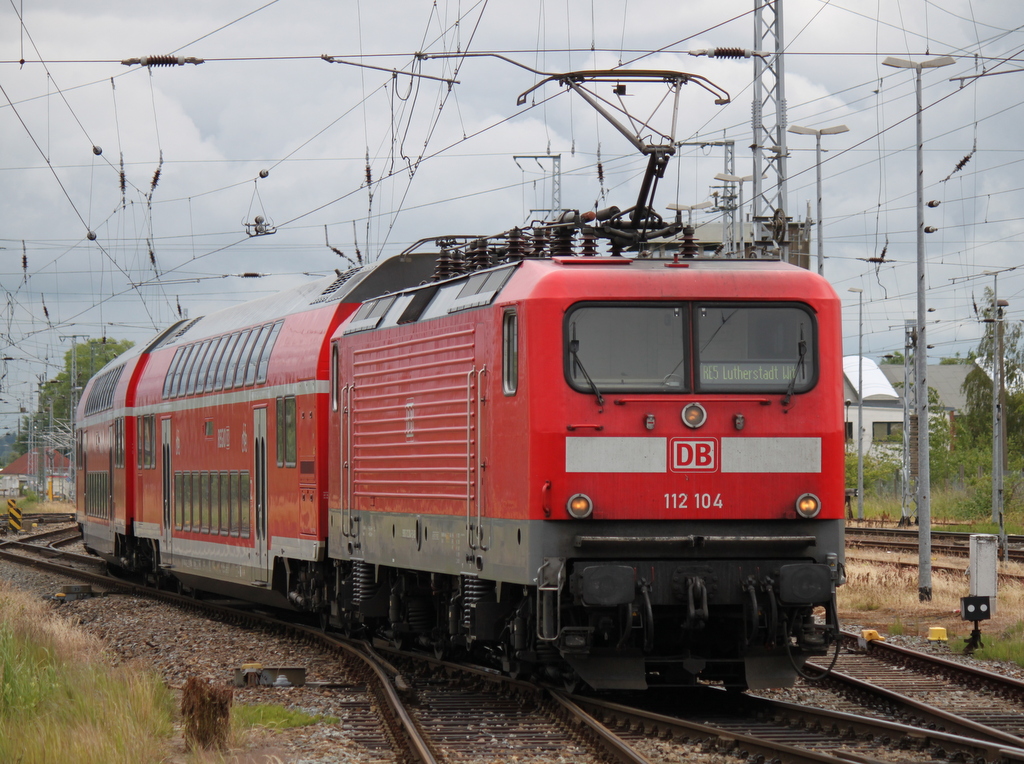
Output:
(924, 512)
(833, 130)
(743, 231)
(689, 208)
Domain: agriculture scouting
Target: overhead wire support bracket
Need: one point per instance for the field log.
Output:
(394, 72)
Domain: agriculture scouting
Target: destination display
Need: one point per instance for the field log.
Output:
(752, 374)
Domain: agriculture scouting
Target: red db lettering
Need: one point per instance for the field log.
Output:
(689, 455)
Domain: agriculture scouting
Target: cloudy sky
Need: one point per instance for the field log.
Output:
(83, 252)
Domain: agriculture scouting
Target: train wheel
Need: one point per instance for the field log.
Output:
(516, 668)
(571, 682)
(441, 648)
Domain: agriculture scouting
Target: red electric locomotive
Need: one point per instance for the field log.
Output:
(628, 471)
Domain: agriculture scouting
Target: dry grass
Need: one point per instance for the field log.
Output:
(60, 702)
(53, 507)
(879, 594)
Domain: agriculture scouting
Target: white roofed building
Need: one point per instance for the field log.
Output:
(883, 405)
(883, 397)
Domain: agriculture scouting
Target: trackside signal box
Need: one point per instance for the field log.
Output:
(984, 567)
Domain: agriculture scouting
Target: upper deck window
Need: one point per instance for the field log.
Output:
(627, 347)
(755, 348)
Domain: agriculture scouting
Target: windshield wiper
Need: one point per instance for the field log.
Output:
(801, 352)
(574, 346)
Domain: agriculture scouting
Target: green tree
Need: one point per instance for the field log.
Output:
(90, 356)
(974, 424)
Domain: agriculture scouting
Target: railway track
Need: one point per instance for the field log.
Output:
(928, 691)
(743, 726)
(949, 543)
(449, 713)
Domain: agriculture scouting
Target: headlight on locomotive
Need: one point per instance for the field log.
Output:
(808, 506)
(694, 415)
(579, 506)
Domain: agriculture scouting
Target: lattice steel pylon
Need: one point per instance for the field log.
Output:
(771, 229)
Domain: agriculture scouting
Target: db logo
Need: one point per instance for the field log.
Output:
(694, 455)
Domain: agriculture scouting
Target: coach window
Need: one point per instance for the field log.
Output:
(243, 359)
(236, 353)
(261, 372)
(286, 431)
(243, 501)
(204, 366)
(247, 350)
(204, 501)
(169, 379)
(627, 347)
(254, 357)
(510, 353)
(335, 391)
(144, 442)
(181, 373)
(226, 352)
(149, 444)
(207, 374)
(224, 503)
(186, 501)
(119, 442)
(193, 372)
(755, 348)
(233, 498)
(179, 502)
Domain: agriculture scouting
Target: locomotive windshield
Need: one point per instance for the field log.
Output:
(628, 347)
(767, 348)
(735, 348)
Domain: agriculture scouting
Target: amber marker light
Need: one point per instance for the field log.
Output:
(808, 505)
(579, 506)
(694, 415)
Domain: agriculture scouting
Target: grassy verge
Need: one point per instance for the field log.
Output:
(881, 595)
(274, 717)
(1005, 646)
(60, 702)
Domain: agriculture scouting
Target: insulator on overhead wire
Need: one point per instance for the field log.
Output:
(162, 61)
(724, 52)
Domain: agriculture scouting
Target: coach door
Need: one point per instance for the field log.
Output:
(166, 483)
(259, 489)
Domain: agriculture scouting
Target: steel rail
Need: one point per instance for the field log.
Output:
(729, 740)
(614, 746)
